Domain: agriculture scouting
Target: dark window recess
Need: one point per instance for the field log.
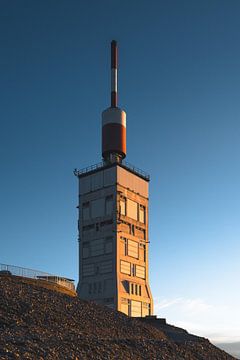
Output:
(107, 222)
(108, 300)
(126, 286)
(89, 288)
(132, 288)
(86, 204)
(136, 289)
(88, 227)
(109, 197)
(97, 226)
(132, 230)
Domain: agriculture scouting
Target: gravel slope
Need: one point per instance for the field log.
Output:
(37, 323)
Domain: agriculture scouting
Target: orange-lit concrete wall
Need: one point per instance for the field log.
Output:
(110, 272)
(134, 294)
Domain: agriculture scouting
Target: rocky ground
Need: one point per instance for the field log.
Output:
(37, 323)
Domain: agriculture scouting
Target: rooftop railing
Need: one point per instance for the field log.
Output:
(103, 164)
(10, 270)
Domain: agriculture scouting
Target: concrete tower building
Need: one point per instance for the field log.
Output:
(113, 220)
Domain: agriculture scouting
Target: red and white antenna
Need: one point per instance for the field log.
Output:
(114, 119)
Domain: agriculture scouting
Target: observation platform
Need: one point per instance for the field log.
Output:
(105, 165)
(40, 278)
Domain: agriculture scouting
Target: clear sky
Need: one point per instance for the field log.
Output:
(179, 82)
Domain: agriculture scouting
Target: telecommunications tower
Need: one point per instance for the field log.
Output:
(113, 220)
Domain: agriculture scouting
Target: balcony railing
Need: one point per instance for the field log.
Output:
(103, 164)
(10, 270)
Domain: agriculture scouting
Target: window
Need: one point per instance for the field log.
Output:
(132, 288)
(132, 249)
(106, 223)
(97, 208)
(109, 205)
(88, 269)
(108, 286)
(125, 267)
(133, 269)
(145, 309)
(106, 267)
(136, 289)
(140, 271)
(89, 227)
(86, 211)
(108, 300)
(108, 245)
(140, 233)
(90, 288)
(126, 286)
(142, 214)
(136, 308)
(142, 252)
(123, 207)
(97, 247)
(132, 230)
(123, 246)
(125, 306)
(132, 209)
(86, 250)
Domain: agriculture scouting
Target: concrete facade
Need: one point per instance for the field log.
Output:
(113, 239)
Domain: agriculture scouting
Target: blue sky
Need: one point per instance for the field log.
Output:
(179, 82)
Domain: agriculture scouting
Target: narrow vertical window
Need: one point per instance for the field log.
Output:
(90, 288)
(109, 205)
(142, 214)
(86, 211)
(132, 288)
(136, 289)
(133, 269)
(123, 207)
(132, 229)
(123, 246)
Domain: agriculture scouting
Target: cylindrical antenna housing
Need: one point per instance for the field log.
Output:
(114, 119)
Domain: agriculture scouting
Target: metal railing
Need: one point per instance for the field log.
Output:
(103, 164)
(35, 274)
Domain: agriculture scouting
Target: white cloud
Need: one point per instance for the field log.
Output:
(185, 305)
(216, 322)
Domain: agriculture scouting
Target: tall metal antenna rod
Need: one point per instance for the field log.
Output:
(114, 119)
(114, 66)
